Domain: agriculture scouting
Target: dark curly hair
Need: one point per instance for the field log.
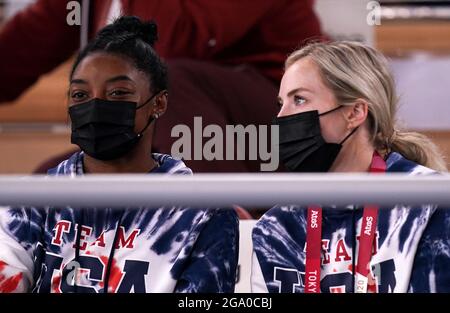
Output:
(132, 38)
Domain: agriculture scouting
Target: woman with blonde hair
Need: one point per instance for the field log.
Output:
(338, 114)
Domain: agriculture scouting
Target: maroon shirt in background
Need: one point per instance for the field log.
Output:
(256, 32)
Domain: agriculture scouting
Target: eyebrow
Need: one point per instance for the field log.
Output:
(290, 93)
(119, 78)
(293, 91)
(110, 80)
(78, 81)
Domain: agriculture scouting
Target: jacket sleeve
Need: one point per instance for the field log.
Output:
(16, 250)
(430, 271)
(213, 262)
(32, 43)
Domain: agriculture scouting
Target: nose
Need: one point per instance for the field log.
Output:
(283, 111)
(98, 94)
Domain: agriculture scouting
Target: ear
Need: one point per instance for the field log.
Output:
(160, 104)
(357, 113)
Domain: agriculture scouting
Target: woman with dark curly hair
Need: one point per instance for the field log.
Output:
(118, 89)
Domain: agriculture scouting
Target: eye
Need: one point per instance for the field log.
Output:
(78, 95)
(299, 100)
(119, 93)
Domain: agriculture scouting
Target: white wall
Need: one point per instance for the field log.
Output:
(423, 83)
(345, 19)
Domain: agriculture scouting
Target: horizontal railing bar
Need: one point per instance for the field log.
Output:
(223, 190)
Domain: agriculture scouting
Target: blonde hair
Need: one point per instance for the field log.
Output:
(354, 71)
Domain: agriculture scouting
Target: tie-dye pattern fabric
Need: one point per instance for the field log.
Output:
(157, 249)
(411, 252)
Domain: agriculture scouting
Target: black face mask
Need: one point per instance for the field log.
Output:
(104, 129)
(302, 147)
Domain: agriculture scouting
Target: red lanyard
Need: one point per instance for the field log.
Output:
(367, 236)
(313, 250)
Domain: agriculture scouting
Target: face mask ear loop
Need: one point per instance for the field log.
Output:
(150, 99)
(351, 133)
(151, 119)
(332, 110)
(143, 104)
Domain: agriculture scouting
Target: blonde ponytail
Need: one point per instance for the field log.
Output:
(419, 149)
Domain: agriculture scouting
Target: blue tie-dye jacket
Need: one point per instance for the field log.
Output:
(411, 251)
(156, 249)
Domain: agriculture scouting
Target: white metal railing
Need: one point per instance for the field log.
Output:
(202, 190)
